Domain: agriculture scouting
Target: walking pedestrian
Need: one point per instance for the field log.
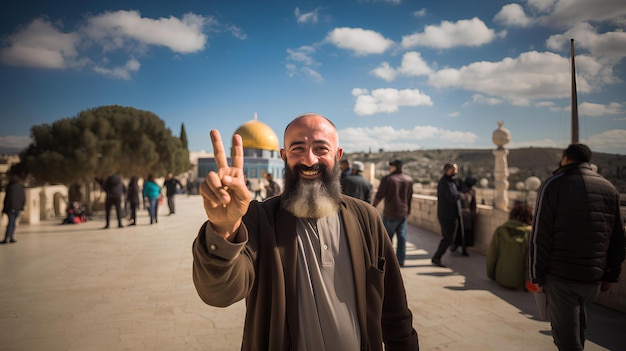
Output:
(133, 198)
(171, 186)
(448, 210)
(115, 190)
(396, 189)
(151, 194)
(14, 201)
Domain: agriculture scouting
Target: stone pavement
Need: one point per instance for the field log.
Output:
(79, 287)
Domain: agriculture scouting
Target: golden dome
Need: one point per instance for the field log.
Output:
(258, 135)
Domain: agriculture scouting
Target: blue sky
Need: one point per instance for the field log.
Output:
(391, 74)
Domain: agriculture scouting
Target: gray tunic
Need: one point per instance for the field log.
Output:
(326, 294)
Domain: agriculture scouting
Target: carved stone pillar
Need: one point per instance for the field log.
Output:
(501, 137)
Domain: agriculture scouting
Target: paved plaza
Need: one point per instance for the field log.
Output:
(79, 287)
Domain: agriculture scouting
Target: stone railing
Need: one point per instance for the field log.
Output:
(424, 215)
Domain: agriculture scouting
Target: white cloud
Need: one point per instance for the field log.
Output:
(115, 30)
(541, 5)
(40, 44)
(454, 114)
(389, 138)
(123, 72)
(412, 66)
(303, 54)
(43, 44)
(361, 41)
(306, 17)
(419, 13)
(549, 105)
(570, 12)
(592, 109)
(513, 15)
(530, 76)
(384, 71)
(609, 47)
(486, 100)
(359, 91)
(300, 62)
(472, 32)
(613, 141)
(388, 100)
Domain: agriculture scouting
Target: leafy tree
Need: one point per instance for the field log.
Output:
(183, 136)
(100, 141)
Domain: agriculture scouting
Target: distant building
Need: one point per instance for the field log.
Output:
(261, 152)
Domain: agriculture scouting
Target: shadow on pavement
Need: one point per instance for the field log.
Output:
(606, 327)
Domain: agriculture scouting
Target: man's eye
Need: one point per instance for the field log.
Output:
(321, 150)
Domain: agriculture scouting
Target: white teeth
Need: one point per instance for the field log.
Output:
(310, 173)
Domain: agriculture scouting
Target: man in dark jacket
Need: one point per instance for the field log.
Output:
(171, 186)
(356, 185)
(576, 245)
(448, 210)
(114, 189)
(14, 201)
(397, 190)
(280, 253)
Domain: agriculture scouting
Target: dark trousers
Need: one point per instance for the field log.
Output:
(448, 231)
(133, 211)
(567, 311)
(171, 204)
(13, 216)
(117, 202)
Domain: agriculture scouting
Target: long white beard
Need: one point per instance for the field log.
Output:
(311, 200)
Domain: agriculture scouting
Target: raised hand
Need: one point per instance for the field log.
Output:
(225, 195)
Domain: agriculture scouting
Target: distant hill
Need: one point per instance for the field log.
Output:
(426, 166)
(5, 150)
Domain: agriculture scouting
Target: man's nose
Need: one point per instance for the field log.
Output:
(309, 158)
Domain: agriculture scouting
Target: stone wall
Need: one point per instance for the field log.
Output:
(424, 215)
(42, 203)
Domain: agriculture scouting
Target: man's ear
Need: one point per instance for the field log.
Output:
(282, 154)
(339, 153)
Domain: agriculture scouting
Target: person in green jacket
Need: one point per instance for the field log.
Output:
(507, 252)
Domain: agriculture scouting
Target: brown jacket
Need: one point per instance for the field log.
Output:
(265, 274)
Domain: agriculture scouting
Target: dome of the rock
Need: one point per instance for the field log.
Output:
(258, 135)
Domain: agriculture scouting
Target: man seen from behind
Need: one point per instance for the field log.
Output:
(576, 245)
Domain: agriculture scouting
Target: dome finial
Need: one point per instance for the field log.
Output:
(256, 117)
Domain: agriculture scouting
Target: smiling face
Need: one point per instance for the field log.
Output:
(312, 187)
(311, 146)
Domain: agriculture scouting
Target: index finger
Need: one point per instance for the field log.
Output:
(218, 149)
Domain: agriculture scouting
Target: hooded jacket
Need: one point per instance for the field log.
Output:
(507, 252)
(261, 267)
(577, 234)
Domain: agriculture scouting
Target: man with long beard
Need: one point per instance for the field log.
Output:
(316, 267)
